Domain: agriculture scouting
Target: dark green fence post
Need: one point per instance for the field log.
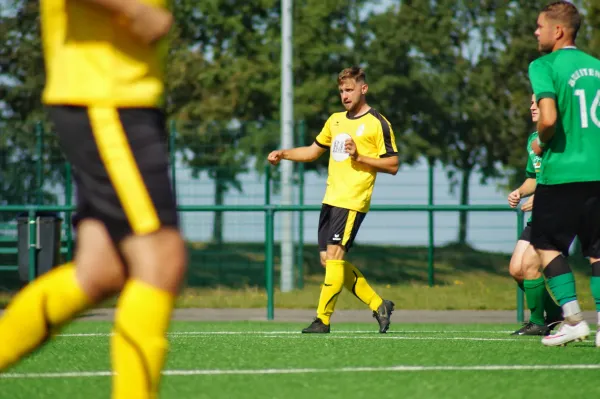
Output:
(39, 162)
(431, 247)
(69, 214)
(172, 154)
(269, 244)
(300, 247)
(32, 240)
(520, 293)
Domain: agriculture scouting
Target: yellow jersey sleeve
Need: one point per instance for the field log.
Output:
(385, 140)
(324, 138)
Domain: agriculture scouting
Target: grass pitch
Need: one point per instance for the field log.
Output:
(273, 360)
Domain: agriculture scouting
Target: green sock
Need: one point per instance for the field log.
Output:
(553, 311)
(534, 292)
(595, 285)
(563, 288)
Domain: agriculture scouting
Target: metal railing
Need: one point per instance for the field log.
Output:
(269, 211)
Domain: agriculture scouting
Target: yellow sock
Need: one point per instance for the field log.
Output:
(334, 281)
(46, 303)
(356, 283)
(139, 344)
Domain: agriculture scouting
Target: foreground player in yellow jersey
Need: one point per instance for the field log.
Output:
(361, 143)
(104, 87)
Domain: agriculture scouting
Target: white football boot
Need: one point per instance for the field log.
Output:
(568, 333)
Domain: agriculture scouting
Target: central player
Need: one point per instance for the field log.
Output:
(361, 143)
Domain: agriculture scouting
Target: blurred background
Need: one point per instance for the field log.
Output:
(248, 77)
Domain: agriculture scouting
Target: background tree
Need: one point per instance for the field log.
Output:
(220, 75)
(21, 84)
(461, 48)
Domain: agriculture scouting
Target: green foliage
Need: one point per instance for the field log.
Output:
(21, 84)
(451, 76)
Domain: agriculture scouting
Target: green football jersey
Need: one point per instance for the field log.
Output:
(534, 162)
(572, 78)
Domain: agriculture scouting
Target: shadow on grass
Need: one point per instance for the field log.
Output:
(240, 265)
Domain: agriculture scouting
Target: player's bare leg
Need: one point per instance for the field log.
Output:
(59, 295)
(157, 263)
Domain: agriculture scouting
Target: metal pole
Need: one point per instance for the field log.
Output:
(173, 155)
(431, 247)
(32, 242)
(69, 214)
(287, 141)
(520, 293)
(300, 251)
(269, 245)
(270, 215)
(39, 164)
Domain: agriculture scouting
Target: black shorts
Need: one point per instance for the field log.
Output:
(526, 233)
(120, 166)
(338, 226)
(563, 211)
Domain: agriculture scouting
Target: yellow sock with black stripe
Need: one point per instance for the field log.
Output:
(46, 303)
(334, 282)
(356, 283)
(139, 344)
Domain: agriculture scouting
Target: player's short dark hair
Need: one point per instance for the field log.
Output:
(566, 13)
(356, 73)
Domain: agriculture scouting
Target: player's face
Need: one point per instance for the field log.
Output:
(545, 34)
(535, 111)
(352, 94)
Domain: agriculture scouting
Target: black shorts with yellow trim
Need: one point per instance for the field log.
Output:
(120, 166)
(338, 226)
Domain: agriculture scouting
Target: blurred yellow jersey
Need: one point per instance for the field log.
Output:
(92, 59)
(349, 183)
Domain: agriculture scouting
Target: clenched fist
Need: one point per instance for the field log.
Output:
(350, 148)
(514, 198)
(275, 156)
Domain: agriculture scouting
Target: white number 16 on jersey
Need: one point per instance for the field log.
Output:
(583, 109)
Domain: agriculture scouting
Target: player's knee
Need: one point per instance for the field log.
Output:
(159, 259)
(102, 278)
(323, 258)
(531, 265)
(516, 270)
(335, 252)
(100, 269)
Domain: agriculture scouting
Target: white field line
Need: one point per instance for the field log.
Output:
(89, 374)
(399, 337)
(374, 332)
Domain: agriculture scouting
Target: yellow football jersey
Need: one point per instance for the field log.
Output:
(91, 59)
(349, 183)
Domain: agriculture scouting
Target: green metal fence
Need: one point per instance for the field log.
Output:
(216, 146)
(269, 211)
